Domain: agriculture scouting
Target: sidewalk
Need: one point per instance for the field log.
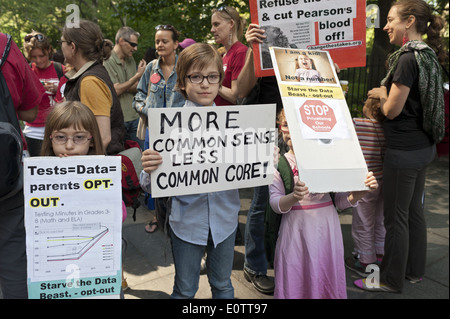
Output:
(148, 265)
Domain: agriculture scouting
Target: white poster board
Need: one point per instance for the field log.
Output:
(325, 143)
(210, 149)
(73, 221)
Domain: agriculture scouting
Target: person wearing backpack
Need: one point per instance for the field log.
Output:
(309, 253)
(20, 94)
(39, 51)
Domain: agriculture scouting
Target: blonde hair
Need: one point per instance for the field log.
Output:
(78, 115)
(199, 56)
(230, 13)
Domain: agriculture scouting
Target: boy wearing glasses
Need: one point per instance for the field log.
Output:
(201, 221)
(125, 75)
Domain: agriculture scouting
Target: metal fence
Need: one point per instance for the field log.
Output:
(361, 80)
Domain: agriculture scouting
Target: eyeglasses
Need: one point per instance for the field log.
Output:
(77, 139)
(60, 42)
(198, 78)
(164, 27)
(39, 37)
(133, 44)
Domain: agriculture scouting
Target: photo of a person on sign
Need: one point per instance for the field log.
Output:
(274, 38)
(305, 69)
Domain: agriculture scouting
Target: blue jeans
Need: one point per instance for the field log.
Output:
(219, 264)
(131, 128)
(255, 255)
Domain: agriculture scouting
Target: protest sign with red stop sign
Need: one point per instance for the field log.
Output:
(318, 116)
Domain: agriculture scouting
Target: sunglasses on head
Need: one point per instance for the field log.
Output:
(164, 27)
(224, 9)
(39, 37)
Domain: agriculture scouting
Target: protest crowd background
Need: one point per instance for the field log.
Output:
(123, 59)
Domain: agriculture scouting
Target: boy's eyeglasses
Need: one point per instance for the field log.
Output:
(133, 44)
(77, 139)
(39, 37)
(197, 78)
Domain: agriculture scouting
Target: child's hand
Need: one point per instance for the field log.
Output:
(370, 182)
(150, 160)
(300, 190)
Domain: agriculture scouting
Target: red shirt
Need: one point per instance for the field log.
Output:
(45, 75)
(233, 62)
(25, 88)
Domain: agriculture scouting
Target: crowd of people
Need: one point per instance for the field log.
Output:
(99, 98)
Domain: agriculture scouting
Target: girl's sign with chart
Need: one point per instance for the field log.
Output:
(73, 221)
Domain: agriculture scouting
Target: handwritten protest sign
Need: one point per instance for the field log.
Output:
(338, 26)
(73, 220)
(327, 150)
(209, 149)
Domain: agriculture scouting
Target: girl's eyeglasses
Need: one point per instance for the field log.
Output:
(39, 37)
(77, 139)
(197, 78)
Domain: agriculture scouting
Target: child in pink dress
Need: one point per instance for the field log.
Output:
(309, 254)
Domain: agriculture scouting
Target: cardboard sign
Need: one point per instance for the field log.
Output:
(73, 221)
(327, 150)
(337, 26)
(209, 149)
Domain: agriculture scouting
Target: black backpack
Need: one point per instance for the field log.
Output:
(11, 170)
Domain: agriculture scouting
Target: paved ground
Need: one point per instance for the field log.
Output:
(149, 270)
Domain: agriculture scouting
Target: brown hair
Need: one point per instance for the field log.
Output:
(426, 23)
(34, 43)
(371, 109)
(199, 56)
(230, 13)
(88, 38)
(67, 114)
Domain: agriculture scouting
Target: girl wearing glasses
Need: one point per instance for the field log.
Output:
(85, 49)
(72, 130)
(39, 51)
(227, 28)
(201, 221)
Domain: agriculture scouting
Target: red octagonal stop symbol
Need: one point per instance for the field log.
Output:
(318, 116)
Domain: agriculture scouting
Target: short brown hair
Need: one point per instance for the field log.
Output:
(67, 114)
(372, 107)
(198, 55)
